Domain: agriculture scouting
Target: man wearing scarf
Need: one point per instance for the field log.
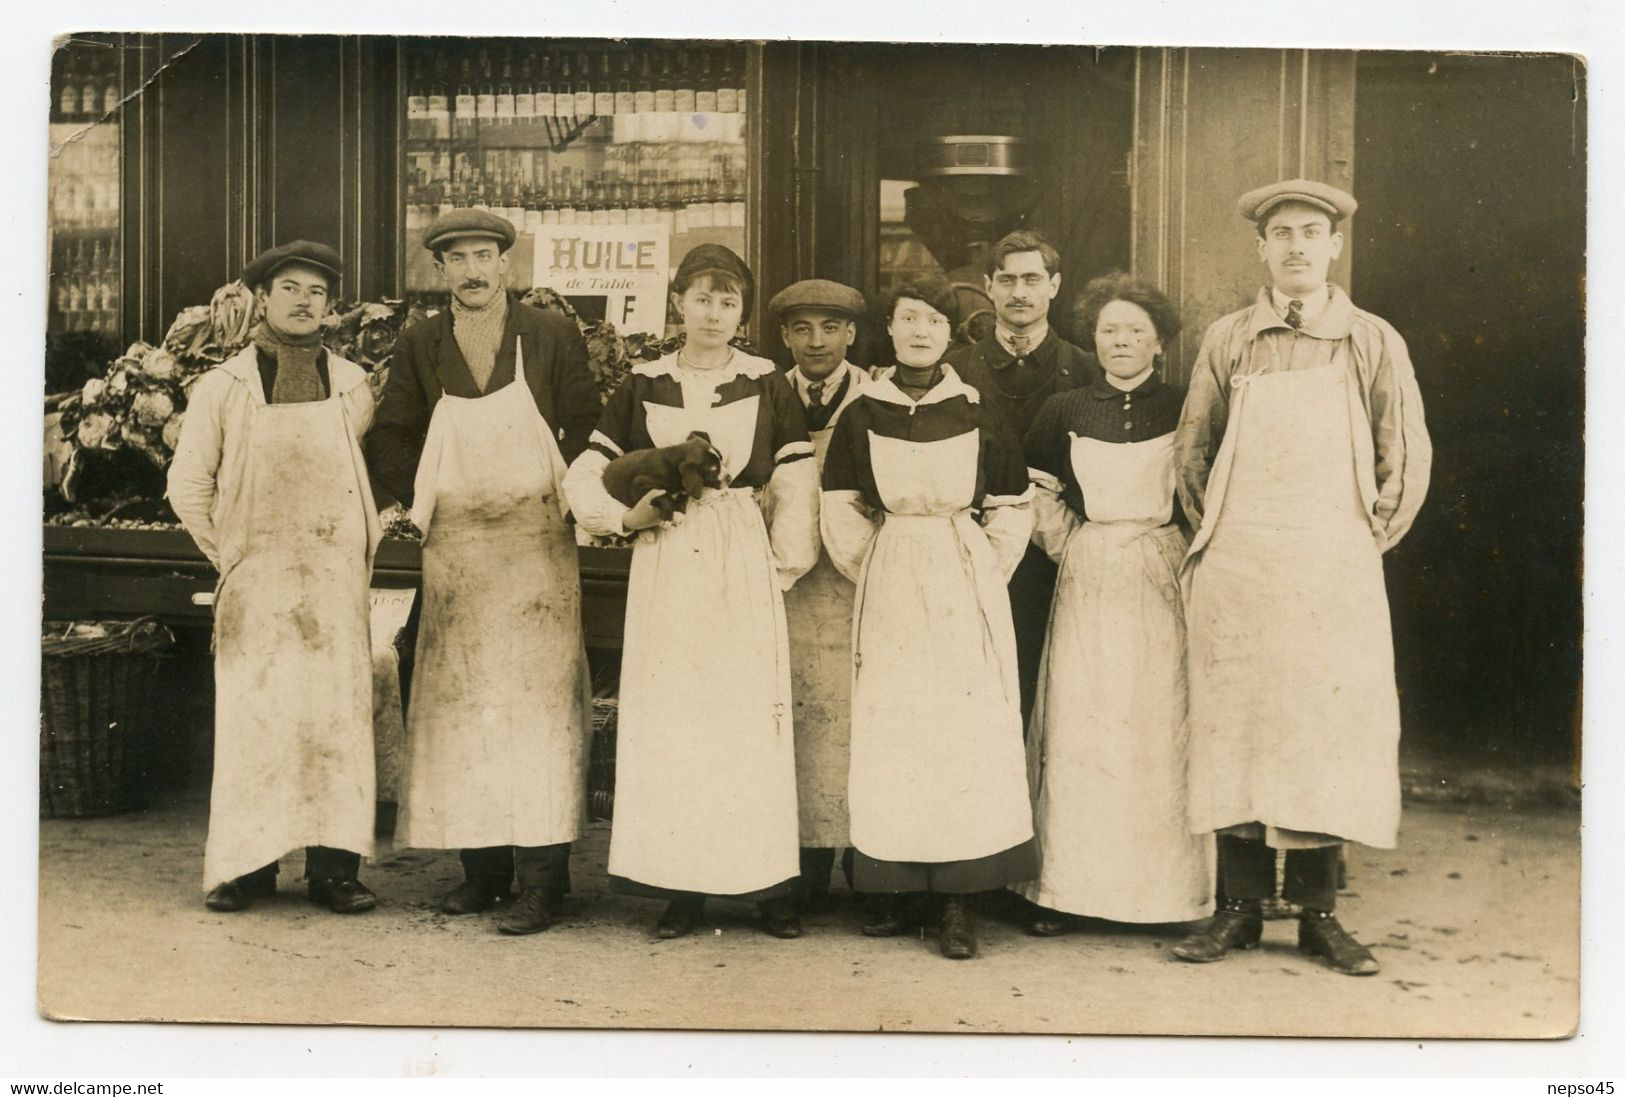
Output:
(269, 480)
(487, 401)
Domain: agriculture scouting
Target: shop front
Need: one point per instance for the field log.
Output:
(185, 155)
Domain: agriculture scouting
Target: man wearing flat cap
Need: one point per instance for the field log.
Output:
(1021, 363)
(269, 480)
(485, 404)
(818, 321)
(1302, 457)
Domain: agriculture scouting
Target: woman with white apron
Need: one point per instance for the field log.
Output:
(1107, 748)
(498, 726)
(705, 784)
(925, 508)
(269, 480)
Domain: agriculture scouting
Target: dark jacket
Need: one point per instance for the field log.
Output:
(427, 362)
(1017, 388)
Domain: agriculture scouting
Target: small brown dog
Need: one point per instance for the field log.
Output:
(681, 471)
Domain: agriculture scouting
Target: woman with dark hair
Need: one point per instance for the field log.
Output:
(1106, 749)
(925, 510)
(705, 782)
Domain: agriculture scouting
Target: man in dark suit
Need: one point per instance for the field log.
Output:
(469, 741)
(1022, 363)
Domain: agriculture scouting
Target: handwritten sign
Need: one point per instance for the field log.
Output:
(621, 269)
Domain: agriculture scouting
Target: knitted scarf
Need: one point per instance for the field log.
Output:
(296, 378)
(479, 335)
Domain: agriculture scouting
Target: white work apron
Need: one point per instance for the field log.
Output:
(1107, 749)
(938, 772)
(819, 611)
(498, 725)
(293, 754)
(705, 784)
(1294, 715)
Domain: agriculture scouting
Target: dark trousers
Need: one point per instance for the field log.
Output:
(1032, 588)
(534, 866)
(321, 863)
(1247, 871)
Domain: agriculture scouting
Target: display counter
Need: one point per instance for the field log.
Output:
(97, 573)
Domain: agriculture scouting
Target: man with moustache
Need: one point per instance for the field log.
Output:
(1016, 368)
(818, 320)
(269, 481)
(1301, 457)
(486, 403)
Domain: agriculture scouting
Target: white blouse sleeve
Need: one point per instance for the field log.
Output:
(1053, 520)
(790, 508)
(596, 510)
(1008, 522)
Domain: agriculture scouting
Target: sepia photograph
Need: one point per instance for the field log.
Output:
(806, 535)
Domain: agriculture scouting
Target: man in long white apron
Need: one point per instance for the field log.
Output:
(818, 321)
(269, 480)
(1302, 457)
(484, 405)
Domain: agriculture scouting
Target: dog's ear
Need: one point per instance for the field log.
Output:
(694, 480)
(701, 435)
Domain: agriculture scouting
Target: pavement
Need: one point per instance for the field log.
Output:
(1475, 918)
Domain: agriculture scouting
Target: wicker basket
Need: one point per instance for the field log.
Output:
(97, 699)
(601, 762)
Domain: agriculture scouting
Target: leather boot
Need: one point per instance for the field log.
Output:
(957, 937)
(228, 898)
(531, 913)
(779, 918)
(1236, 924)
(1320, 935)
(1051, 923)
(473, 895)
(885, 917)
(342, 896)
(681, 915)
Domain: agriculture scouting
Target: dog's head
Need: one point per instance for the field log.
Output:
(701, 466)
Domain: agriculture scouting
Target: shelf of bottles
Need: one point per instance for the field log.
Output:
(548, 134)
(84, 181)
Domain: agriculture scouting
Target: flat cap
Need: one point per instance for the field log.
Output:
(311, 254)
(468, 222)
(817, 293)
(1256, 204)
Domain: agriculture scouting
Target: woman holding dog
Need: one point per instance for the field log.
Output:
(705, 783)
(925, 509)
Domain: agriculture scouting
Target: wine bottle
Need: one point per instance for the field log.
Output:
(603, 100)
(584, 90)
(90, 90)
(524, 93)
(506, 108)
(643, 95)
(625, 96)
(417, 103)
(485, 100)
(544, 88)
(727, 88)
(437, 124)
(67, 102)
(683, 94)
(564, 103)
(665, 91)
(466, 117)
(705, 86)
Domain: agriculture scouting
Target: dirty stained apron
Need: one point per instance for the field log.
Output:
(705, 783)
(1294, 714)
(498, 726)
(293, 755)
(819, 611)
(938, 772)
(1107, 751)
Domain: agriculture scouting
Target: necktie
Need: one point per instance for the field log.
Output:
(1019, 345)
(815, 395)
(1294, 314)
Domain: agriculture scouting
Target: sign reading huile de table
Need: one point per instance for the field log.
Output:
(626, 266)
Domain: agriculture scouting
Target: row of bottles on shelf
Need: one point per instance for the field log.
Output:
(86, 86)
(658, 169)
(85, 286)
(85, 186)
(568, 90)
(573, 201)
